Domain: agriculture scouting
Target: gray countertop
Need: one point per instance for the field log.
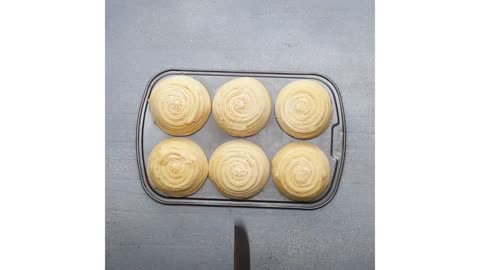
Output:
(144, 37)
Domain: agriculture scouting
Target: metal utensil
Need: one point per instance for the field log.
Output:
(241, 255)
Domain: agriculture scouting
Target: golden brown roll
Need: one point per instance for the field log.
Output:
(177, 167)
(242, 106)
(239, 169)
(180, 105)
(301, 171)
(303, 109)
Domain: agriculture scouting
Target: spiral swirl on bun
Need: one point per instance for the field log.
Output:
(177, 167)
(242, 106)
(180, 105)
(239, 169)
(301, 171)
(303, 109)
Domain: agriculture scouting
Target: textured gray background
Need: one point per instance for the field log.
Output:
(335, 38)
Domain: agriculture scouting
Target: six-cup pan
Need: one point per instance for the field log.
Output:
(271, 139)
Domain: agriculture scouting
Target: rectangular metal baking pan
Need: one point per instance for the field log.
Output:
(270, 139)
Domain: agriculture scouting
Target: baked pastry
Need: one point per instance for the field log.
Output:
(177, 167)
(303, 109)
(180, 105)
(301, 171)
(239, 169)
(242, 107)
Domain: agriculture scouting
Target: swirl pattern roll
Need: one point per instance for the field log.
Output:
(180, 105)
(242, 107)
(303, 109)
(177, 167)
(239, 169)
(301, 171)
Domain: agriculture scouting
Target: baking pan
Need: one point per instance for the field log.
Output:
(270, 139)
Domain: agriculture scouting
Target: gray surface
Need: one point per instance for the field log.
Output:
(335, 38)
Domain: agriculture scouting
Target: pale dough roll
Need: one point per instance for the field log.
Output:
(301, 171)
(177, 167)
(242, 106)
(303, 109)
(239, 169)
(180, 105)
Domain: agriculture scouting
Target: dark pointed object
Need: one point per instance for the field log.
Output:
(241, 254)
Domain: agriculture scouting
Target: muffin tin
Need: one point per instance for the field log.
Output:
(271, 139)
